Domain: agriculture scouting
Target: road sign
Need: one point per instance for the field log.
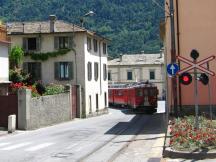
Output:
(197, 65)
(172, 69)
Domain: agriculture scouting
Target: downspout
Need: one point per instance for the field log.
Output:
(178, 49)
(100, 67)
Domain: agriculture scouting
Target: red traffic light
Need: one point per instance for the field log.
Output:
(185, 78)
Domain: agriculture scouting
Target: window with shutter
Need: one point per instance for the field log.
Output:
(104, 48)
(89, 70)
(95, 45)
(56, 43)
(63, 70)
(89, 44)
(34, 69)
(96, 71)
(104, 71)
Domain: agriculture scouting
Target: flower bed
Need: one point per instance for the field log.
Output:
(185, 137)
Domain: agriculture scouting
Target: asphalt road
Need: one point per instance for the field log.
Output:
(111, 137)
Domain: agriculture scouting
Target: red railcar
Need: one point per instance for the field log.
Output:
(142, 96)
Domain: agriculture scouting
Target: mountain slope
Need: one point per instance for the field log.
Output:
(132, 26)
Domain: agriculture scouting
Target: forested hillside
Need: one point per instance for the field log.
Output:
(131, 25)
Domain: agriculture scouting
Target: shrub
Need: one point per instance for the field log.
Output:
(184, 136)
(40, 88)
(54, 89)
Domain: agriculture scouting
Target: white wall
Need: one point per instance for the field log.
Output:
(4, 63)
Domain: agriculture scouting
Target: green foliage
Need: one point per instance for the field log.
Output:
(16, 57)
(54, 89)
(17, 76)
(47, 55)
(132, 26)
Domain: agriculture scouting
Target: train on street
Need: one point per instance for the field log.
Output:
(137, 96)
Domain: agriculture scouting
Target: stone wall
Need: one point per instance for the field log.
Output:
(42, 111)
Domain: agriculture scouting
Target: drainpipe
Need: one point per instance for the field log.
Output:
(100, 67)
(178, 49)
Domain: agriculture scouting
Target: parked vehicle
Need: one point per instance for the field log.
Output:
(138, 96)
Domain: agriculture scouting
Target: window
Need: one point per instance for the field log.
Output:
(31, 44)
(89, 71)
(152, 74)
(139, 92)
(129, 75)
(63, 42)
(63, 70)
(104, 48)
(89, 46)
(95, 45)
(34, 69)
(109, 75)
(105, 99)
(104, 72)
(97, 105)
(96, 71)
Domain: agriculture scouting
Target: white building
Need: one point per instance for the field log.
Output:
(63, 53)
(138, 68)
(4, 61)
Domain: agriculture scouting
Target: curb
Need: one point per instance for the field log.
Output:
(170, 153)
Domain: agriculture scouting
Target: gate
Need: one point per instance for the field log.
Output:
(74, 101)
(9, 106)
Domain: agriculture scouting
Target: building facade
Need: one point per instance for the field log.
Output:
(194, 28)
(138, 68)
(63, 53)
(4, 61)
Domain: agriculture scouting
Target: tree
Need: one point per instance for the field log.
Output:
(16, 57)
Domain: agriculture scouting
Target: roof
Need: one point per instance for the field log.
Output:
(138, 59)
(43, 27)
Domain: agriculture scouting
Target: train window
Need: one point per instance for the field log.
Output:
(139, 92)
(145, 92)
(152, 92)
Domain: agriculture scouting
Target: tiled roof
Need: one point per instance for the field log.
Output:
(41, 27)
(138, 59)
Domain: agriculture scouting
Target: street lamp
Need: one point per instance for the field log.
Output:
(90, 13)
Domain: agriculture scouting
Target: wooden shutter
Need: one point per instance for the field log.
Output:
(25, 44)
(38, 43)
(70, 42)
(38, 70)
(25, 67)
(56, 43)
(57, 70)
(71, 70)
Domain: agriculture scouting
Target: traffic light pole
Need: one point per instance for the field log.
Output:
(196, 98)
(173, 57)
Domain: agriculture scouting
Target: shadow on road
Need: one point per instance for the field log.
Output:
(140, 124)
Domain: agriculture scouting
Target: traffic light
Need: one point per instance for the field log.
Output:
(204, 78)
(185, 78)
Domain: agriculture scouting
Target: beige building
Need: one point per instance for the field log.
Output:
(138, 68)
(63, 53)
(4, 61)
(195, 28)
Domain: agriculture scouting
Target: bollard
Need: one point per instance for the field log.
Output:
(11, 123)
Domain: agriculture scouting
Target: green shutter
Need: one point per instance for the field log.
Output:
(38, 43)
(25, 67)
(56, 70)
(25, 44)
(56, 43)
(70, 42)
(71, 70)
(38, 70)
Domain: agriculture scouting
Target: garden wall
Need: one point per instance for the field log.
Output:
(43, 111)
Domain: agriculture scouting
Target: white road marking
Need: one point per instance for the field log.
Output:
(16, 146)
(38, 147)
(4, 144)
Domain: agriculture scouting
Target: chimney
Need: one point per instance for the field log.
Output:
(120, 57)
(52, 19)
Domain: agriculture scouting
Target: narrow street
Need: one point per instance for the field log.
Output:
(111, 137)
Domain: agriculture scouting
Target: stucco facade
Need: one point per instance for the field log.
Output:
(79, 57)
(195, 28)
(140, 67)
(4, 61)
